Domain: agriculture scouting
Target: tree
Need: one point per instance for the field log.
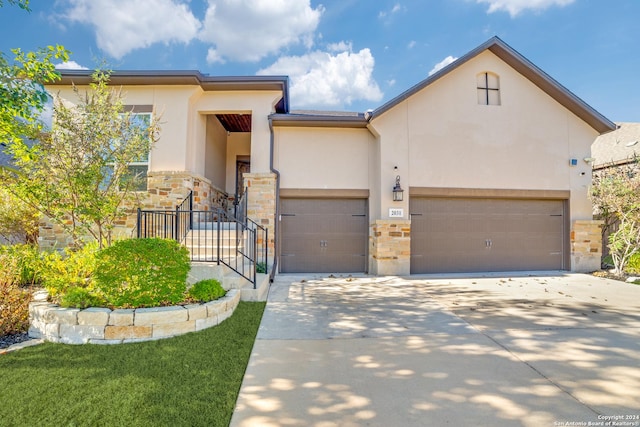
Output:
(79, 173)
(22, 101)
(22, 94)
(18, 221)
(616, 196)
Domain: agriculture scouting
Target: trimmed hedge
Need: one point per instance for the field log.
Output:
(142, 273)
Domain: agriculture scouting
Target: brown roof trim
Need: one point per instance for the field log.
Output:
(525, 67)
(319, 120)
(181, 77)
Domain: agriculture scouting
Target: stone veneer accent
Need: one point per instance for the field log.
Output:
(586, 245)
(390, 247)
(166, 189)
(261, 204)
(97, 325)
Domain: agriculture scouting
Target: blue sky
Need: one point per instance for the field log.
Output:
(345, 54)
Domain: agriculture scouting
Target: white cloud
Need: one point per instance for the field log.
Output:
(514, 7)
(124, 25)
(395, 9)
(391, 82)
(249, 30)
(341, 46)
(70, 65)
(321, 80)
(440, 65)
(411, 44)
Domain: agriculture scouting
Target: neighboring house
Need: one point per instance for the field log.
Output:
(488, 152)
(615, 150)
(620, 148)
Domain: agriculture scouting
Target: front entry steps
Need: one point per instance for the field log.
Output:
(230, 280)
(205, 242)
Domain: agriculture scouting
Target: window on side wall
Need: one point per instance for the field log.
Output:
(140, 167)
(140, 117)
(488, 89)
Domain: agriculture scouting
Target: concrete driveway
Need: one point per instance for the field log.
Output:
(543, 350)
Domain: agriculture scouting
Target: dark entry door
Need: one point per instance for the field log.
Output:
(323, 235)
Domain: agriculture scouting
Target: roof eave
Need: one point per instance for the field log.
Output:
(185, 77)
(288, 120)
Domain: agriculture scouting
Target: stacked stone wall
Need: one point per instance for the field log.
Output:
(586, 245)
(390, 247)
(165, 190)
(97, 325)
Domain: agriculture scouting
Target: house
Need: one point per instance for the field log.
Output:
(620, 148)
(485, 157)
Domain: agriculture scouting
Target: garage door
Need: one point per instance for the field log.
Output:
(475, 235)
(323, 235)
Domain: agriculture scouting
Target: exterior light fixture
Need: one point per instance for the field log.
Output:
(397, 190)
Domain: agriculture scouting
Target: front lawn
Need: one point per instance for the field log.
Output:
(190, 380)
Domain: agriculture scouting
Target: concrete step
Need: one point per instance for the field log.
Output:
(213, 225)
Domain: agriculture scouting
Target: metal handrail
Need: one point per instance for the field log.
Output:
(236, 242)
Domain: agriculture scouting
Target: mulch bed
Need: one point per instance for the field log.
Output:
(9, 340)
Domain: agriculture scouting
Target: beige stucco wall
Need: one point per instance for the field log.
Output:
(323, 158)
(260, 104)
(215, 153)
(451, 141)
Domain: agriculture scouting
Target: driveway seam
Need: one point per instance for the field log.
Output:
(534, 369)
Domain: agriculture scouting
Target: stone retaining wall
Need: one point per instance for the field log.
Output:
(96, 325)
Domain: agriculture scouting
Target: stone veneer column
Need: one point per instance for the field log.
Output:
(390, 247)
(261, 204)
(586, 245)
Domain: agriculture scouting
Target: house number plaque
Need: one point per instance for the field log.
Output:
(396, 213)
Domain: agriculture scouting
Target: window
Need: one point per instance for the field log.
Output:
(488, 89)
(138, 169)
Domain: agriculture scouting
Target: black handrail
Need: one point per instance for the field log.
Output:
(240, 245)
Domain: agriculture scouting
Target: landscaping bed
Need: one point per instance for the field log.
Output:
(193, 379)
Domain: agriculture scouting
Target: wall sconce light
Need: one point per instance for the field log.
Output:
(397, 190)
(589, 160)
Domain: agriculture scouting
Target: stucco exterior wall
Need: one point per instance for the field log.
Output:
(215, 153)
(260, 104)
(451, 141)
(323, 158)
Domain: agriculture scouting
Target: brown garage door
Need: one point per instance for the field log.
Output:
(323, 235)
(474, 235)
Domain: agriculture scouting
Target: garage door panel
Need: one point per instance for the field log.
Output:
(323, 235)
(474, 235)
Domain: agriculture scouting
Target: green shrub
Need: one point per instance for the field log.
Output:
(633, 266)
(206, 290)
(14, 300)
(74, 268)
(142, 273)
(261, 267)
(29, 263)
(77, 297)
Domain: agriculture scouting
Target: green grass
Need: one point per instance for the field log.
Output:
(190, 380)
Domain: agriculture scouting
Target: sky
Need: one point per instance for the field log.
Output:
(344, 55)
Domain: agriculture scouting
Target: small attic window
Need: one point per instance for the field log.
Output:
(488, 89)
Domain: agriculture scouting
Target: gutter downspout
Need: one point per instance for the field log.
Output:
(277, 216)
